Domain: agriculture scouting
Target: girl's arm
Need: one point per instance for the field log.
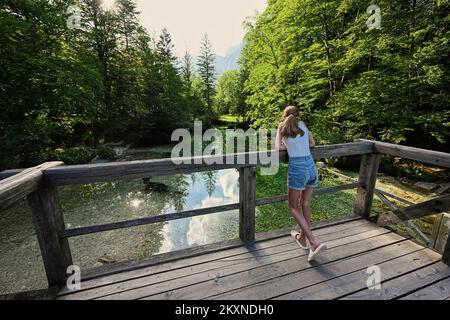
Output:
(279, 145)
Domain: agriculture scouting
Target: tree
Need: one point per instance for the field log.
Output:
(101, 34)
(187, 70)
(227, 99)
(47, 87)
(128, 23)
(352, 82)
(63, 88)
(165, 46)
(206, 71)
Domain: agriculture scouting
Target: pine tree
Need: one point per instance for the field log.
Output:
(128, 23)
(187, 72)
(207, 71)
(165, 46)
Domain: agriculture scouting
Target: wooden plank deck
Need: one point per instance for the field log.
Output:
(274, 267)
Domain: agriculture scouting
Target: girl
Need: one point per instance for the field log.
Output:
(293, 135)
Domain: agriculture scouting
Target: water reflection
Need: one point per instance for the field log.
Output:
(207, 189)
(103, 203)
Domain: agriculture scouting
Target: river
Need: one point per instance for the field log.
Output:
(20, 261)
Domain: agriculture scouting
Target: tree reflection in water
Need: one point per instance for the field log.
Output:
(103, 203)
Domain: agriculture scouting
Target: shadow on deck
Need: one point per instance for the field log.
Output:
(274, 267)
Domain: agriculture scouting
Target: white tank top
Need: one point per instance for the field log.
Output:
(298, 146)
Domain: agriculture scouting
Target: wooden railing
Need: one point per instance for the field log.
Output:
(39, 185)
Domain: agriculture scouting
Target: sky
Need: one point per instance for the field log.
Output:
(188, 20)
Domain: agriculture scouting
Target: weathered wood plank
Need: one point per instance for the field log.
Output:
(329, 151)
(223, 248)
(446, 253)
(395, 197)
(343, 149)
(405, 284)
(441, 236)
(435, 232)
(289, 286)
(226, 283)
(198, 273)
(437, 291)
(247, 204)
(427, 156)
(90, 173)
(279, 247)
(22, 184)
(367, 179)
(341, 286)
(49, 224)
(188, 258)
(44, 294)
(423, 209)
(9, 173)
(410, 225)
(148, 220)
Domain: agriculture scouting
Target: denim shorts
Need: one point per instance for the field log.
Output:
(302, 173)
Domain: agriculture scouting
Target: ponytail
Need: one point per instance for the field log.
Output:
(289, 127)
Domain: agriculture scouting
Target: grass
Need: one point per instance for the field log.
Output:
(278, 216)
(229, 118)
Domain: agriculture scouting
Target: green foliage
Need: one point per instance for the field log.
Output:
(73, 156)
(229, 98)
(106, 153)
(350, 82)
(108, 80)
(206, 71)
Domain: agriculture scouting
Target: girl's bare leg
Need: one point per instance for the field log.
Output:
(293, 197)
(305, 203)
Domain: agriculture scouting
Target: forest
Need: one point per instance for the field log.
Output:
(65, 91)
(390, 84)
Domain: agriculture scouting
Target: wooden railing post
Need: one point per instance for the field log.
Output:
(367, 178)
(440, 236)
(446, 253)
(247, 203)
(49, 224)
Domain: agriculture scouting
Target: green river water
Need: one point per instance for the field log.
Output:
(20, 259)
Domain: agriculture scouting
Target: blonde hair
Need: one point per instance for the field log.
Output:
(289, 127)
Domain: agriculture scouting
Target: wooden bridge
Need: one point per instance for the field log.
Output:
(256, 266)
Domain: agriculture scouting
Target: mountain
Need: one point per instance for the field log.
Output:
(227, 62)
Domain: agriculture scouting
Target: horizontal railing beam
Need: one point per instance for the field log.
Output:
(68, 233)
(421, 155)
(420, 210)
(9, 173)
(22, 184)
(82, 174)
